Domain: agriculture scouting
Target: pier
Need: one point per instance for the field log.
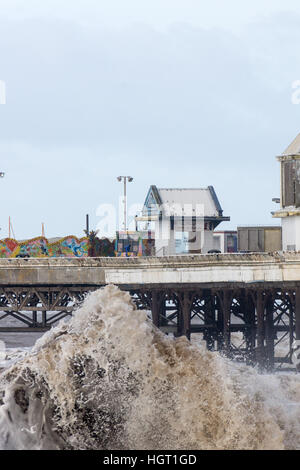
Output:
(245, 305)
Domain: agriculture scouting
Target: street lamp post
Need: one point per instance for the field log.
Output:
(125, 179)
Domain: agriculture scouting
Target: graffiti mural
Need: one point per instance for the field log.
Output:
(39, 247)
(73, 247)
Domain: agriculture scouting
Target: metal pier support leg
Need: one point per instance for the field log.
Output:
(186, 315)
(163, 311)
(297, 313)
(260, 355)
(44, 318)
(155, 308)
(220, 322)
(270, 335)
(226, 321)
(209, 319)
(34, 318)
(250, 331)
(297, 327)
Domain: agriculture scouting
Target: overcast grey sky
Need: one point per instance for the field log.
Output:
(175, 93)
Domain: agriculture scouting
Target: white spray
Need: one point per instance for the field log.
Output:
(109, 379)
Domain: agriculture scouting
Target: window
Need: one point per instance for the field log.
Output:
(291, 183)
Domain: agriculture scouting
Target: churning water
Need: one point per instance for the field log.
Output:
(108, 379)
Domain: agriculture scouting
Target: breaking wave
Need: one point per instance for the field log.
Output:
(108, 379)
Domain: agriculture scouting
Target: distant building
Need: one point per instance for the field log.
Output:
(181, 220)
(289, 211)
(259, 239)
(225, 242)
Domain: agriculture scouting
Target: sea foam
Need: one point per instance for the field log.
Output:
(109, 379)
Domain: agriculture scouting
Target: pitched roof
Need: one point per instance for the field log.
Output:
(182, 197)
(293, 148)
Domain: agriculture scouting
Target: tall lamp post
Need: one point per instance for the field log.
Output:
(125, 179)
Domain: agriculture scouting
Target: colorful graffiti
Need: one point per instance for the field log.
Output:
(73, 247)
(132, 244)
(39, 247)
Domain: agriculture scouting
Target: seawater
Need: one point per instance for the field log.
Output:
(108, 379)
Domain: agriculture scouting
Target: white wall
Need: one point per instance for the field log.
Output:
(291, 233)
(165, 239)
(218, 240)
